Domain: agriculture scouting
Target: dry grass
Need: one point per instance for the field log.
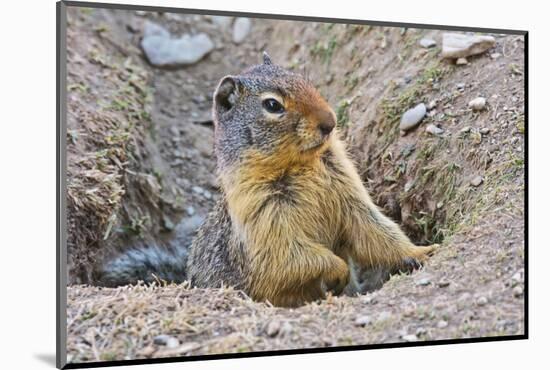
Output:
(108, 105)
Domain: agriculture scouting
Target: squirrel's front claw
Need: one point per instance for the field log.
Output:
(337, 284)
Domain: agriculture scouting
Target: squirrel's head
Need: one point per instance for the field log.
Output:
(272, 110)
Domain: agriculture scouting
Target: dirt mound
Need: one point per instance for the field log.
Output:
(463, 187)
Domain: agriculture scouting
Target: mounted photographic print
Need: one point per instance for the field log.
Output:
(237, 184)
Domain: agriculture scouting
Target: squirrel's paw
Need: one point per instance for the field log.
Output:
(338, 278)
(423, 253)
(417, 258)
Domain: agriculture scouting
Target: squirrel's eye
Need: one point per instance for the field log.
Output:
(273, 106)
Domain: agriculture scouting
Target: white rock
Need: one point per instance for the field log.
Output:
(166, 340)
(476, 181)
(410, 338)
(427, 43)
(363, 321)
(442, 324)
(163, 50)
(457, 45)
(477, 104)
(241, 29)
(172, 342)
(518, 276)
(482, 301)
(423, 282)
(412, 117)
(461, 61)
(273, 328)
(434, 130)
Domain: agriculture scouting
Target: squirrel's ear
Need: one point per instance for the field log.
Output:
(267, 58)
(225, 95)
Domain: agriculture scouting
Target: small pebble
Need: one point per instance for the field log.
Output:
(460, 86)
(442, 324)
(484, 131)
(518, 276)
(518, 291)
(174, 130)
(482, 301)
(190, 210)
(434, 130)
(476, 181)
(461, 61)
(168, 224)
(410, 338)
(432, 104)
(477, 104)
(166, 340)
(362, 321)
(423, 282)
(273, 328)
(443, 283)
(412, 117)
(465, 130)
(495, 55)
(197, 189)
(427, 43)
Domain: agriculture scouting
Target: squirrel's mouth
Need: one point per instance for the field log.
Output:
(318, 145)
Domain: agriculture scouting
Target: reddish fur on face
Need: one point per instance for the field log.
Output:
(312, 106)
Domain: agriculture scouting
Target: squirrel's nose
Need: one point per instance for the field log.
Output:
(326, 127)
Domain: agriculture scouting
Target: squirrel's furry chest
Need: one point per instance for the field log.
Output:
(314, 197)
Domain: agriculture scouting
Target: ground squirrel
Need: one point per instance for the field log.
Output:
(293, 212)
(293, 216)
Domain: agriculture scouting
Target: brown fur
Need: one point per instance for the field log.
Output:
(331, 219)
